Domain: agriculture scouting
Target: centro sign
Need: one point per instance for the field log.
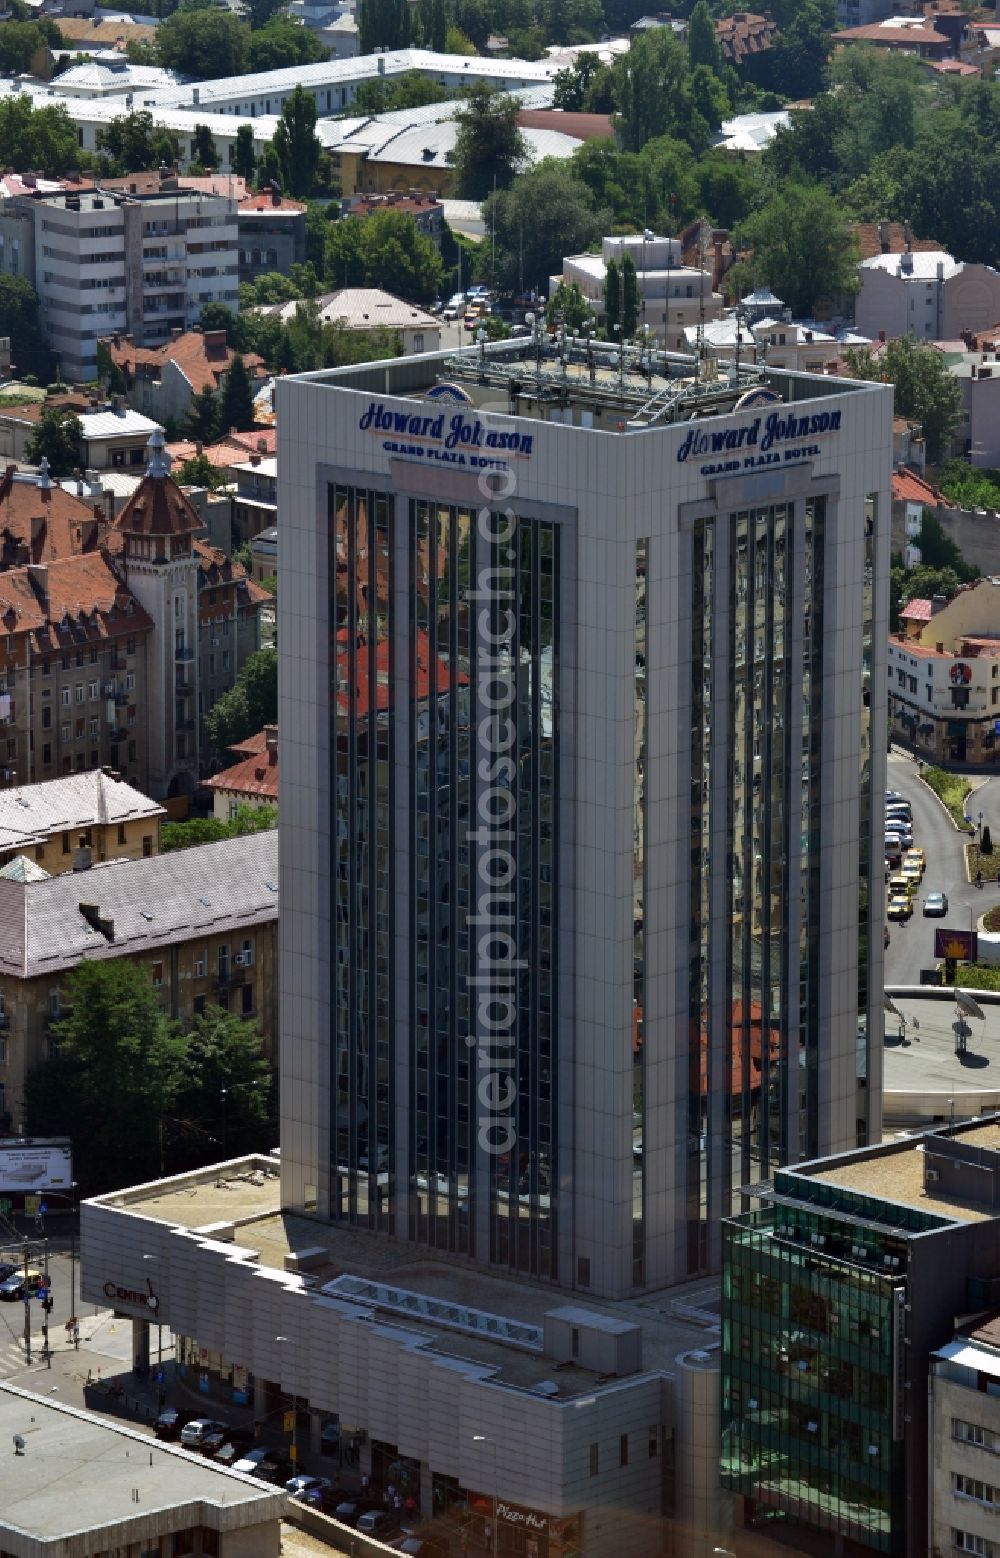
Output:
(135, 1296)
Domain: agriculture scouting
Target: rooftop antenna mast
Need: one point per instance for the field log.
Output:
(701, 300)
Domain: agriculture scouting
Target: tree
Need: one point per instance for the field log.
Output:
(38, 137)
(545, 214)
(489, 147)
(203, 147)
(584, 86)
(203, 421)
(237, 398)
(57, 440)
(249, 705)
(925, 388)
(569, 305)
(209, 830)
(19, 320)
(117, 1070)
(386, 249)
(938, 550)
(652, 90)
(282, 44)
(296, 143)
(630, 298)
(703, 45)
(244, 159)
(199, 472)
(20, 44)
(108, 371)
(382, 95)
(228, 1082)
(133, 143)
(802, 248)
(613, 299)
(204, 44)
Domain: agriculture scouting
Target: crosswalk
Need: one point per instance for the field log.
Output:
(12, 1355)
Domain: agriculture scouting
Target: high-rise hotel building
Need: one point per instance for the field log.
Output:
(582, 718)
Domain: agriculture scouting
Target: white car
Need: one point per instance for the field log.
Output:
(250, 1462)
(194, 1432)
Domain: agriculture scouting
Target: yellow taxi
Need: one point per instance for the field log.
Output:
(899, 883)
(913, 871)
(916, 853)
(900, 907)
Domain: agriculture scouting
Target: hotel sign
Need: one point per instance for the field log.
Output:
(774, 439)
(450, 438)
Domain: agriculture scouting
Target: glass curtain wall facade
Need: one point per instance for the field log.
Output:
(361, 874)
(808, 1429)
(639, 927)
(480, 761)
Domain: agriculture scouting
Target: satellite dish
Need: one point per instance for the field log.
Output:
(19, 1445)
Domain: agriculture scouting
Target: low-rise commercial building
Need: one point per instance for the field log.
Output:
(83, 818)
(836, 1292)
(202, 922)
(82, 1484)
(944, 677)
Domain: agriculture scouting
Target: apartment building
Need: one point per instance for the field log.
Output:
(201, 921)
(926, 294)
(137, 261)
(162, 381)
(672, 295)
(944, 677)
(252, 780)
(964, 1437)
(255, 501)
(86, 817)
(272, 230)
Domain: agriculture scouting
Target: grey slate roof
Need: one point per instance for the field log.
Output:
(31, 813)
(158, 902)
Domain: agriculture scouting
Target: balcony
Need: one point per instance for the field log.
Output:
(226, 978)
(183, 654)
(184, 724)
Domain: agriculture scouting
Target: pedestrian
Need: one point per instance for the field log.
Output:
(411, 1504)
(364, 1482)
(398, 1503)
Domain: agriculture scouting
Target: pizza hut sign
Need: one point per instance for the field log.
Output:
(525, 1518)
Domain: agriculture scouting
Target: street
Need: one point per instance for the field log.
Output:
(912, 944)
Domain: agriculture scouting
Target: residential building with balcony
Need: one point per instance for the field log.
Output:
(127, 259)
(944, 677)
(78, 820)
(202, 922)
(672, 295)
(964, 1437)
(272, 233)
(255, 501)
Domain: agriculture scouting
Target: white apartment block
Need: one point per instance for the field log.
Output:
(927, 295)
(106, 261)
(672, 296)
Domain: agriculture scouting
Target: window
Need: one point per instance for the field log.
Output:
(972, 1433)
(130, 646)
(654, 1442)
(200, 964)
(157, 976)
(46, 667)
(595, 1460)
(66, 697)
(223, 960)
(247, 953)
(131, 752)
(121, 833)
(66, 844)
(79, 692)
(47, 717)
(247, 1000)
(55, 1003)
(623, 1450)
(130, 681)
(147, 845)
(64, 731)
(46, 754)
(95, 727)
(971, 1487)
(200, 1002)
(92, 689)
(967, 1542)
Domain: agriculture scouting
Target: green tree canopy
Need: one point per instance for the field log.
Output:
(244, 158)
(613, 300)
(296, 143)
(586, 86)
(56, 439)
(383, 95)
(386, 249)
(284, 43)
(630, 298)
(20, 43)
(203, 422)
(204, 43)
(249, 705)
(19, 320)
(209, 830)
(801, 247)
(38, 137)
(569, 305)
(117, 1069)
(203, 147)
(925, 388)
(132, 143)
(228, 1083)
(652, 91)
(237, 398)
(489, 147)
(544, 215)
(703, 46)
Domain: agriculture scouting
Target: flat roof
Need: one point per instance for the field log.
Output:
(78, 1475)
(925, 1060)
(246, 1194)
(634, 387)
(899, 1176)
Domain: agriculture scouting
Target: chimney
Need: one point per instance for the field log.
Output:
(38, 578)
(255, 459)
(271, 743)
(883, 237)
(881, 336)
(38, 529)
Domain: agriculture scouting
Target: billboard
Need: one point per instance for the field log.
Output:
(36, 1165)
(957, 946)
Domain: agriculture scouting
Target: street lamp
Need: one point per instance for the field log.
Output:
(482, 1439)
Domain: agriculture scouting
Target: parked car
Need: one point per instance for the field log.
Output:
(378, 1522)
(213, 1442)
(308, 1489)
(232, 1452)
(913, 871)
(900, 908)
(349, 1512)
(935, 905)
(916, 853)
(250, 1462)
(421, 1546)
(8, 1268)
(276, 1468)
(20, 1282)
(194, 1434)
(171, 1421)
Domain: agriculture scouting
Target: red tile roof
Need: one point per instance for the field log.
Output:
(251, 746)
(39, 524)
(908, 488)
(888, 238)
(231, 450)
(265, 201)
(203, 356)
(898, 37)
(256, 775)
(743, 34)
(916, 611)
(77, 600)
(217, 569)
(583, 127)
(158, 507)
(954, 68)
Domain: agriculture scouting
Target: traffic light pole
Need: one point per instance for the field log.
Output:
(46, 1306)
(27, 1309)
